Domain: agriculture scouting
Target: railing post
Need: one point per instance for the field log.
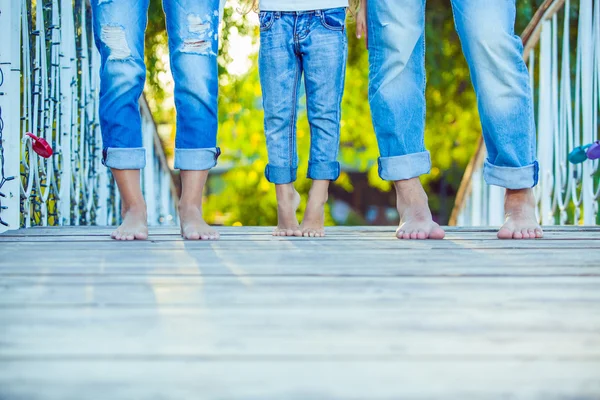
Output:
(10, 110)
(587, 106)
(68, 77)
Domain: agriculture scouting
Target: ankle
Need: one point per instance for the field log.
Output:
(189, 205)
(134, 207)
(410, 193)
(318, 197)
(285, 193)
(519, 198)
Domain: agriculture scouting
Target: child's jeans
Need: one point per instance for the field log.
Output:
(499, 74)
(192, 26)
(312, 43)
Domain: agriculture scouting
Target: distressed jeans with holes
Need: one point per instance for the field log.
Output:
(499, 75)
(292, 44)
(192, 26)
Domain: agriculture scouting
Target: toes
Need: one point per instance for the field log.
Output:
(539, 233)
(437, 233)
(399, 234)
(298, 233)
(421, 235)
(517, 235)
(192, 236)
(141, 236)
(505, 233)
(406, 235)
(413, 235)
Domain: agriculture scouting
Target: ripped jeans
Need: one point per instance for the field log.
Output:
(193, 27)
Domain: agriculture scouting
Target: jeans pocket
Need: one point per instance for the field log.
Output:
(334, 19)
(267, 18)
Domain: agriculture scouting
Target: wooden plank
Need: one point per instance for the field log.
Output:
(302, 331)
(281, 292)
(338, 230)
(327, 379)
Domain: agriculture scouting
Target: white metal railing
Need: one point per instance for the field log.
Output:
(565, 76)
(49, 86)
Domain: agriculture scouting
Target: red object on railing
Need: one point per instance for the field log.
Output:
(40, 146)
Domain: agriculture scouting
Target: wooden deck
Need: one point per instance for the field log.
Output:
(355, 315)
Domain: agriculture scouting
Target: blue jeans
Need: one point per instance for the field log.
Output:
(312, 43)
(192, 26)
(499, 75)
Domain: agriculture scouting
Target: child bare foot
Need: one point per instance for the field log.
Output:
(521, 222)
(313, 223)
(193, 226)
(134, 225)
(288, 201)
(416, 221)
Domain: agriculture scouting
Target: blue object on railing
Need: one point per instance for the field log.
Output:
(593, 153)
(587, 152)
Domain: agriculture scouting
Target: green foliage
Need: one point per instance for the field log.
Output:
(241, 195)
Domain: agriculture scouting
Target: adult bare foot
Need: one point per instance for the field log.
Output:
(193, 226)
(521, 222)
(416, 221)
(288, 200)
(313, 223)
(134, 225)
(133, 206)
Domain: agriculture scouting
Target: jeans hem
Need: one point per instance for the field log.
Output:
(327, 171)
(280, 175)
(196, 159)
(400, 168)
(124, 157)
(511, 177)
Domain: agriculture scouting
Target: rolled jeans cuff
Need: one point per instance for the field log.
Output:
(511, 177)
(400, 168)
(327, 171)
(280, 175)
(196, 159)
(124, 157)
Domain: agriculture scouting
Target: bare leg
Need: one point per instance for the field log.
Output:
(133, 206)
(313, 224)
(521, 222)
(416, 221)
(193, 226)
(288, 201)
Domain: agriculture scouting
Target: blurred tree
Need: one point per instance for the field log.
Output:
(241, 194)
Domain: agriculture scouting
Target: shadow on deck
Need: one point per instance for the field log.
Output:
(355, 315)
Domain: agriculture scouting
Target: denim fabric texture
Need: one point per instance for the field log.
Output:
(193, 27)
(293, 45)
(499, 75)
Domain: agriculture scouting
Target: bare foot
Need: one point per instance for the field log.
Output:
(416, 221)
(521, 222)
(288, 201)
(193, 226)
(313, 223)
(134, 225)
